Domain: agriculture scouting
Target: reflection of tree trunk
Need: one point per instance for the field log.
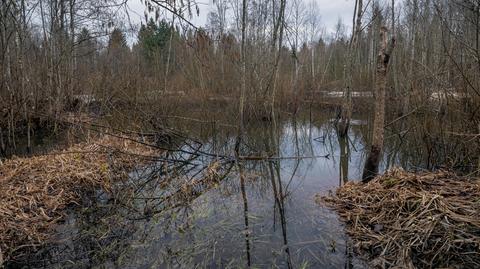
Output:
(283, 220)
(349, 255)
(278, 192)
(383, 58)
(245, 215)
(295, 132)
(344, 157)
(279, 196)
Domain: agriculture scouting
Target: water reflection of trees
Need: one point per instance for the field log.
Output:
(163, 197)
(279, 192)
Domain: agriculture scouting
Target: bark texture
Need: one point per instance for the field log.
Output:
(373, 160)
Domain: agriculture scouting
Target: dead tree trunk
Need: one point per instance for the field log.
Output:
(383, 58)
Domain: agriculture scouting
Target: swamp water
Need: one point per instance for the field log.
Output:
(268, 218)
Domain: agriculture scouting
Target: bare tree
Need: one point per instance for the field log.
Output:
(343, 123)
(375, 153)
(312, 24)
(298, 20)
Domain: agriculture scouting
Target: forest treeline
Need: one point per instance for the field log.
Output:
(59, 54)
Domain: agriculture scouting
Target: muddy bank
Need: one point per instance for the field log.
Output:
(35, 191)
(408, 220)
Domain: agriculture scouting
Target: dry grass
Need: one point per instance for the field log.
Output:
(406, 220)
(34, 191)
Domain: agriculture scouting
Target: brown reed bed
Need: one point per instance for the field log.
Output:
(35, 191)
(413, 220)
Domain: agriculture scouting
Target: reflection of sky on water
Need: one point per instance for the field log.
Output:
(211, 231)
(215, 237)
(282, 227)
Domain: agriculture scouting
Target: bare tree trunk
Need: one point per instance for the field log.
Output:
(243, 87)
(346, 110)
(3, 149)
(383, 58)
(72, 60)
(22, 33)
(296, 64)
(294, 84)
(411, 80)
(313, 65)
(243, 52)
(169, 50)
(277, 32)
(394, 61)
(45, 55)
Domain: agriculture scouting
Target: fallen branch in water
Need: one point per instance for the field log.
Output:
(267, 158)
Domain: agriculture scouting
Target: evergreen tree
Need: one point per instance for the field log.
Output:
(86, 47)
(117, 40)
(153, 38)
(117, 49)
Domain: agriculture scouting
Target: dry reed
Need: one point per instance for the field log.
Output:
(34, 191)
(408, 220)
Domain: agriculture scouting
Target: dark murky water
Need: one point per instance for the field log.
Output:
(267, 220)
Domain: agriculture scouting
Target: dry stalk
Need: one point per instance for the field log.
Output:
(407, 220)
(34, 191)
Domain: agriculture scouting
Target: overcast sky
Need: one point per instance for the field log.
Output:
(330, 11)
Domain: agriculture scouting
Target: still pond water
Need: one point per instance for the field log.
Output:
(270, 219)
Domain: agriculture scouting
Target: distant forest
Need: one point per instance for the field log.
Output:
(57, 55)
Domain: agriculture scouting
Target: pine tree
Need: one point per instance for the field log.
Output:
(153, 38)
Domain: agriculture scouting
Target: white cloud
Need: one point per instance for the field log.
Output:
(332, 10)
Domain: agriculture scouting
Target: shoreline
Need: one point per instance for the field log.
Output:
(36, 191)
(412, 220)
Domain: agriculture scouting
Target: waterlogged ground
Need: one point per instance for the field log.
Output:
(268, 218)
